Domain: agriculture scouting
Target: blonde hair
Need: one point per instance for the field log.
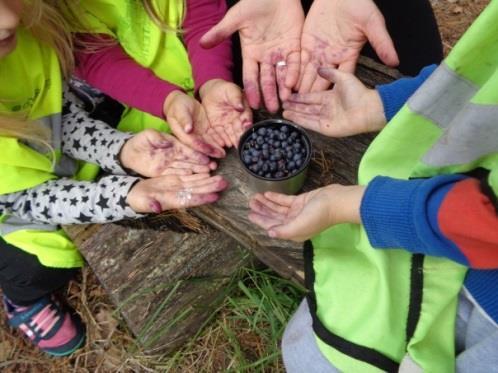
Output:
(49, 22)
(162, 20)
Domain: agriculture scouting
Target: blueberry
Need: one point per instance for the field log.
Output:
(265, 146)
(282, 136)
(265, 153)
(299, 163)
(284, 144)
(247, 159)
(265, 167)
(260, 163)
(270, 142)
(281, 165)
(291, 165)
(276, 144)
(279, 174)
(255, 153)
(260, 173)
(268, 176)
(293, 135)
(296, 146)
(273, 166)
(262, 131)
(254, 159)
(290, 155)
(260, 140)
(288, 148)
(273, 158)
(278, 155)
(284, 129)
(297, 156)
(254, 136)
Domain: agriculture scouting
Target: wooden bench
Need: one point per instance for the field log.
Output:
(166, 283)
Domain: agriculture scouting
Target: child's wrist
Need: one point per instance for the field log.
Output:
(345, 202)
(208, 85)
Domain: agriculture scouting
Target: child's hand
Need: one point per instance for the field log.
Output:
(151, 153)
(349, 108)
(174, 192)
(299, 218)
(227, 110)
(190, 125)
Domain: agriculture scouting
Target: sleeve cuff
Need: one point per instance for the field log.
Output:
(403, 213)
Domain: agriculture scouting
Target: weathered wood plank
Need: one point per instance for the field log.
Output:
(164, 283)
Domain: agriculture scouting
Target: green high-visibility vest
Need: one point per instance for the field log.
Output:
(162, 52)
(31, 88)
(376, 309)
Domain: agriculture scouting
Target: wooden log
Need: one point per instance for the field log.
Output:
(165, 282)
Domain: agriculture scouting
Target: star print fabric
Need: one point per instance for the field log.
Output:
(67, 201)
(90, 140)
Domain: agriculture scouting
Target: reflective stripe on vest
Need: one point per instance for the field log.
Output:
(32, 88)
(371, 308)
(164, 53)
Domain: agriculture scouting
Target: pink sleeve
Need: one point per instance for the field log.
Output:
(211, 63)
(116, 74)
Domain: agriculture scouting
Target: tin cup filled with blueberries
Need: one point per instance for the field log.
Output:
(276, 154)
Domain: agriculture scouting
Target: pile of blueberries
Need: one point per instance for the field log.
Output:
(274, 153)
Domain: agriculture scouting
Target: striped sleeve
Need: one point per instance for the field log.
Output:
(450, 216)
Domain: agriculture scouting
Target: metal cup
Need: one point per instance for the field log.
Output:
(287, 185)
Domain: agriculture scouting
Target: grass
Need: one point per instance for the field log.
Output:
(242, 335)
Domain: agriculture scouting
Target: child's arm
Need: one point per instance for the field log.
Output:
(452, 216)
(349, 107)
(66, 201)
(149, 153)
(112, 198)
(207, 64)
(116, 74)
(226, 106)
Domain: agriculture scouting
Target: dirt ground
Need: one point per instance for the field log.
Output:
(110, 348)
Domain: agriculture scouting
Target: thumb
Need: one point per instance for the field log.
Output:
(236, 99)
(332, 75)
(182, 118)
(379, 38)
(221, 31)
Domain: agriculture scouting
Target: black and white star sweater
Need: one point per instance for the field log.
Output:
(67, 201)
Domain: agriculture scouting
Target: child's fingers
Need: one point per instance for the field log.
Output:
(312, 109)
(199, 200)
(270, 204)
(236, 98)
(221, 133)
(202, 182)
(280, 199)
(263, 221)
(306, 98)
(258, 208)
(308, 78)
(308, 121)
(250, 72)
(195, 168)
(268, 87)
(320, 85)
(176, 171)
(212, 186)
(292, 74)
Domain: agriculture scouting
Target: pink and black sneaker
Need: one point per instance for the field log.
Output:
(51, 327)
